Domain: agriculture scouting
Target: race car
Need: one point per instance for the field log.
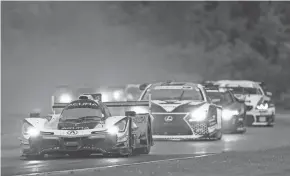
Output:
(84, 127)
(234, 110)
(181, 111)
(260, 108)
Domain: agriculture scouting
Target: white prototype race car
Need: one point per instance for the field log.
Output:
(85, 126)
(260, 108)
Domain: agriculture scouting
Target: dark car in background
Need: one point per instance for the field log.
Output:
(234, 110)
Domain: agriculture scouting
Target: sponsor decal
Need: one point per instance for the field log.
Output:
(75, 128)
(83, 104)
(73, 132)
(168, 118)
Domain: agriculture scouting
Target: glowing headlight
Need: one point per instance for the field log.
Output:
(65, 98)
(113, 130)
(228, 114)
(198, 116)
(33, 132)
(117, 95)
(139, 110)
(105, 97)
(263, 106)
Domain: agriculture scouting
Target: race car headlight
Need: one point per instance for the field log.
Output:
(105, 97)
(118, 127)
(197, 116)
(113, 130)
(33, 132)
(65, 98)
(263, 106)
(139, 110)
(117, 95)
(29, 131)
(228, 114)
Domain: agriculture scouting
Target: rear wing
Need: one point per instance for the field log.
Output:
(111, 104)
(57, 105)
(127, 103)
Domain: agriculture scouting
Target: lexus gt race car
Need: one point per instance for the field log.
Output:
(234, 111)
(181, 111)
(260, 108)
(86, 126)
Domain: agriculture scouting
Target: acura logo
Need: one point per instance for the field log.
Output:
(72, 132)
(168, 119)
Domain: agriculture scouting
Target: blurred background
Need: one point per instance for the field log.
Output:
(47, 44)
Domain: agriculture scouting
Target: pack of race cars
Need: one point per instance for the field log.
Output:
(164, 111)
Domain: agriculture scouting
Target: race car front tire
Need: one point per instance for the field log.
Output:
(273, 120)
(35, 157)
(218, 135)
(145, 150)
(79, 155)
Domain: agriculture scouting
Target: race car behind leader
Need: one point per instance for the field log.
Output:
(260, 108)
(234, 110)
(181, 111)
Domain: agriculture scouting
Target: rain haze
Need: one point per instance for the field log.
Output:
(41, 50)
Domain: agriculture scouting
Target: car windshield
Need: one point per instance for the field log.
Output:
(245, 90)
(82, 111)
(220, 97)
(190, 93)
(215, 96)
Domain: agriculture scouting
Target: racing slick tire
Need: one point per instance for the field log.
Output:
(34, 157)
(272, 125)
(145, 150)
(241, 132)
(79, 155)
(217, 136)
(124, 152)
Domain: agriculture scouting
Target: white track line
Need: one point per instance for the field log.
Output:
(75, 171)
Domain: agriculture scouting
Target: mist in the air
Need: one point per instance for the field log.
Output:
(41, 50)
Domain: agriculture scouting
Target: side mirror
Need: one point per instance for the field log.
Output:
(130, 113)
(135, 127)
(143, 86)
(269, 94)
(34, 115)
(48, 118)
(241, 100)
(209, 100)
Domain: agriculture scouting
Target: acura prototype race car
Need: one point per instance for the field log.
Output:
(181, 111)
(234, 110)
(86, 126)
(260, 109)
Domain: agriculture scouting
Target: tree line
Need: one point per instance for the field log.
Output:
(217, 40)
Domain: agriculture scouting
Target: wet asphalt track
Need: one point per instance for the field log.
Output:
(254, 139)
